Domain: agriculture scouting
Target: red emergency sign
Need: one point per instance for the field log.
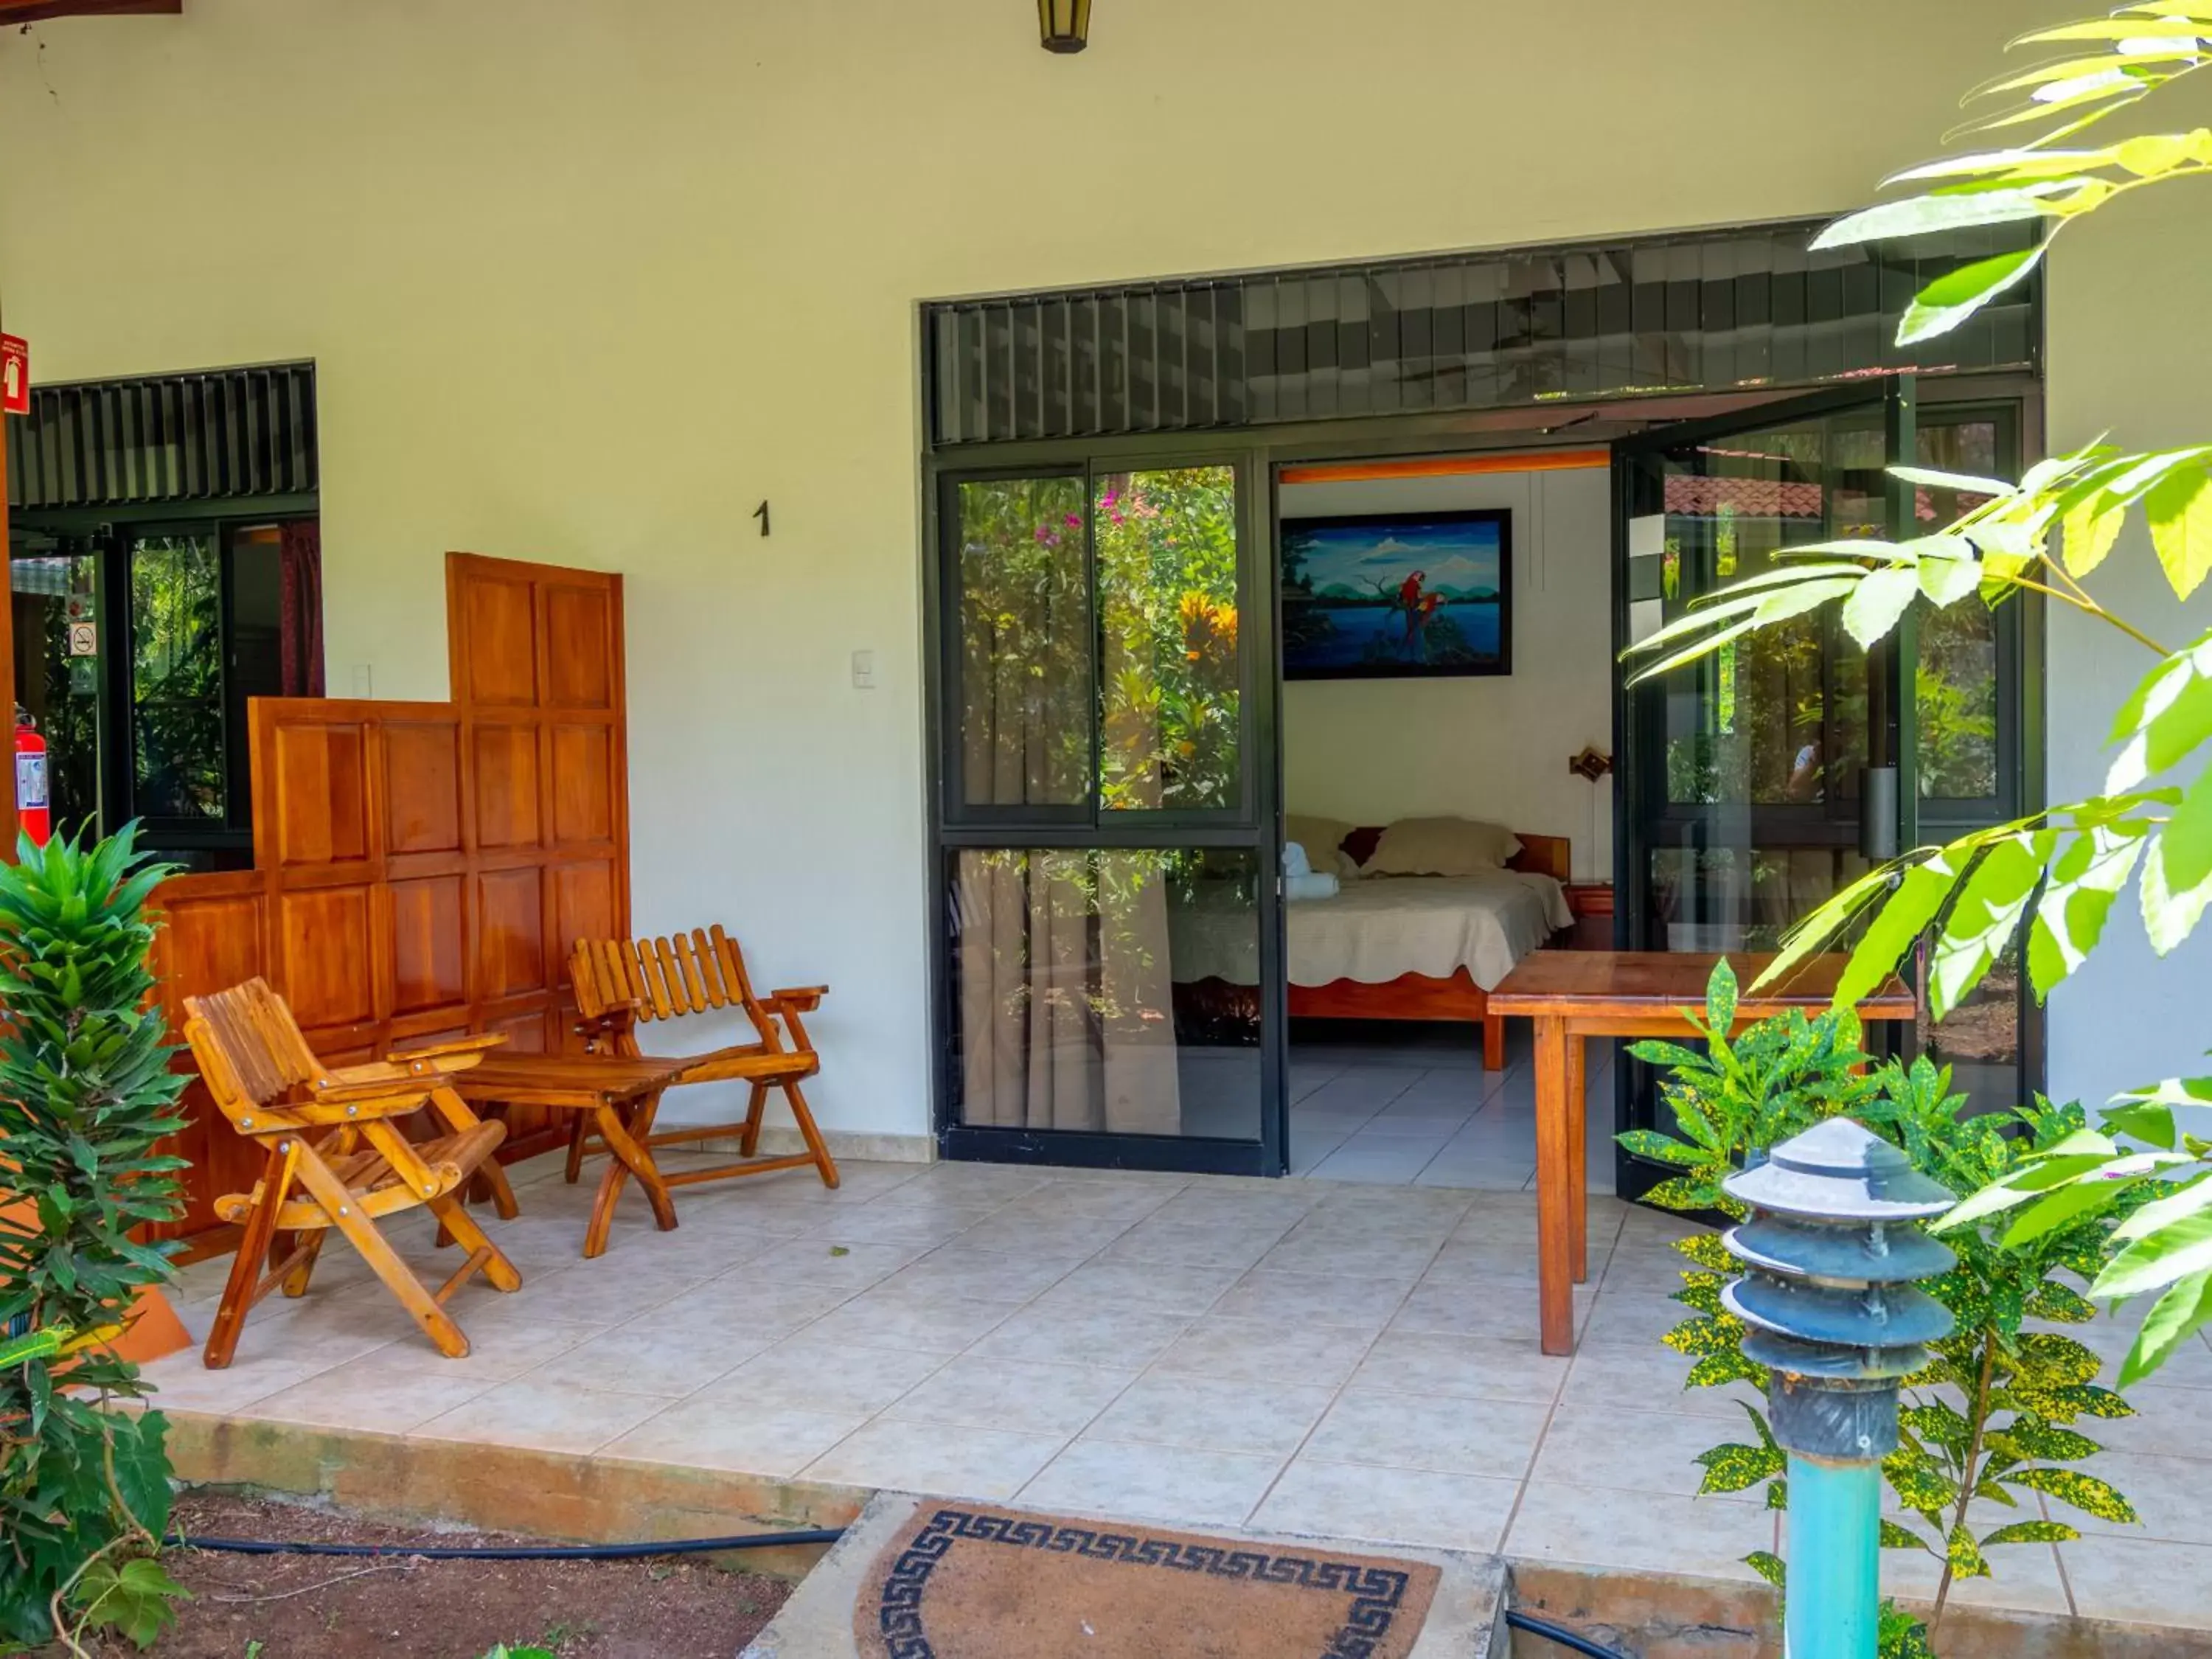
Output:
(15, 375)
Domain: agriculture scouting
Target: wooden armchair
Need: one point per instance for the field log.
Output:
(621, 984)
(338, 1159)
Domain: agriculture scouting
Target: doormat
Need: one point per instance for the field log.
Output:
(962, 1581)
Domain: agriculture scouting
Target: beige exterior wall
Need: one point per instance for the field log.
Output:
(586, 281)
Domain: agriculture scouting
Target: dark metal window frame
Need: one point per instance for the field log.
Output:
(108, 538)
(1497, 428)
(955, 827)
(1254, 600)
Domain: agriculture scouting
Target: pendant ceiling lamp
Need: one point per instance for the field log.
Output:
(1063, 25)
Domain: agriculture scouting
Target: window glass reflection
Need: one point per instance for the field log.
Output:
(1108, 991)
(176, 677)
(1024, 675)
(1168, 682)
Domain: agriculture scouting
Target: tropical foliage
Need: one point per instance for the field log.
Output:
(2044, 885)
(1167, 594)
(1145, 572)
(1990, 1419)
(176, 676)
(85, 1093)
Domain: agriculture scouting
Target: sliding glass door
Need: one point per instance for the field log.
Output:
(1107, 992)
(1760, 779)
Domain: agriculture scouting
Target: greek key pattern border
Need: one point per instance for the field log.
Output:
(1377, 1594)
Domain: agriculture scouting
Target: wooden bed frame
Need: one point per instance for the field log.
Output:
(1423, 996)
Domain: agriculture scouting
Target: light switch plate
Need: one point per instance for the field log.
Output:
(864, 671)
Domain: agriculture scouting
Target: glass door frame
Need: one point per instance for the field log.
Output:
(1261, 453)
(2015, 403)
(1251, 824)
(1823, 823)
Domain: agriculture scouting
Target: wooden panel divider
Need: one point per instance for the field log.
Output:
(422, 869)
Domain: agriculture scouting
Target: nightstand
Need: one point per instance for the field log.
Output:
(1592, 903)
(1590, 898)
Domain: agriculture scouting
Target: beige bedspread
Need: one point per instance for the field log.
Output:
(1381, 926)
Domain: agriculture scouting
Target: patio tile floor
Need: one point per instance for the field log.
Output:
(1321, 1357)
(1409, 1110)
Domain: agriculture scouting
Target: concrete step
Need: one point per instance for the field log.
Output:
(1466, 1620)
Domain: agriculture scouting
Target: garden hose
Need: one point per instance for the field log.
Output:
(744, 1540)
(1562, 1635)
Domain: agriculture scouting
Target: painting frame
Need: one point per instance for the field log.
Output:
(1474, 534)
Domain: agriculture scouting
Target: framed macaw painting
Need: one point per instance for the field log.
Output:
(1390, 595)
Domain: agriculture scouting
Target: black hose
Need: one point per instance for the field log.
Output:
(1562, 1635)
(746, 1541)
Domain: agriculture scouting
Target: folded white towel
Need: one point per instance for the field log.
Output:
(1310, 886)
(1295, 862)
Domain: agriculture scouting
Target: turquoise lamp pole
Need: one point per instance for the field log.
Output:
(1830, 1254)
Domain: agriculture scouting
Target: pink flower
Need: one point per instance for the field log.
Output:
(1073, 520)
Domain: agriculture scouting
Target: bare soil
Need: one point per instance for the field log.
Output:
(322, 1606)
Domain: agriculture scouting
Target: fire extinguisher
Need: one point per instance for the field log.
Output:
(33, 806)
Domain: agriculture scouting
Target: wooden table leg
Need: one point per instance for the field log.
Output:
(1578, 1158)
(626, 1143)
(1554, 1206)
(611, 1185)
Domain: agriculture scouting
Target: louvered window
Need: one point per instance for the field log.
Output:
(225, 434)
(1658, 314)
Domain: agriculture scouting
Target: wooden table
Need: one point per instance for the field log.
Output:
(1572, 995)
(622, 1094)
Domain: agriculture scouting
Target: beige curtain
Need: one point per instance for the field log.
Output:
(1067, 1014)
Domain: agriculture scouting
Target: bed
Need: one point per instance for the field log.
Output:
(1398, 947)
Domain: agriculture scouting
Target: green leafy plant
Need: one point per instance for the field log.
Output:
(1749, 1091)
(85, 1093)
(1990, 1418)
(2046, 883)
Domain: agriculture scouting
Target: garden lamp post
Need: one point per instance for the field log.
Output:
(1830, 1255)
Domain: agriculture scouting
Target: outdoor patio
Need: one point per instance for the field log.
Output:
(1300, 1356)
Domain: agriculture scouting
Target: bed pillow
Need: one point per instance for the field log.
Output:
(1441, 847)
(1323, 840)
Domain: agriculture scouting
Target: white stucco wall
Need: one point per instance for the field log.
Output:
(586, 282)
(2119, 367)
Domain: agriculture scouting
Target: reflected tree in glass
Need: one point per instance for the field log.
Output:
(1169, 675)
(1025, 637)
(176, 677)
(61, 692)
(1956, 680)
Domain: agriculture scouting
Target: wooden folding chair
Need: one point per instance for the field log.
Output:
(338, 1159)
(621, 984)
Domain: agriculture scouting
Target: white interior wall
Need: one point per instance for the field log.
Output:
(1491, 747)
